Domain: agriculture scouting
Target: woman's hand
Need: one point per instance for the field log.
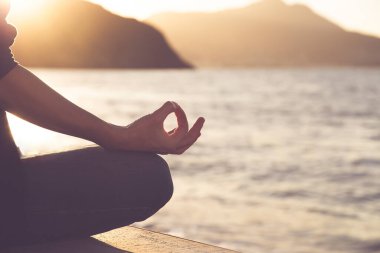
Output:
(148, 134)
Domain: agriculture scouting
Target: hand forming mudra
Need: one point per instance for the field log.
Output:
(148, 133)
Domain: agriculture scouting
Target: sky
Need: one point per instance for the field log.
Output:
(353, 15)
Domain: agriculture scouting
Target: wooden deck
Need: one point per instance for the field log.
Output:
(124, 240)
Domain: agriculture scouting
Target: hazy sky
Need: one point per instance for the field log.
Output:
(357, 15)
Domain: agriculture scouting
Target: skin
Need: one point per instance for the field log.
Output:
(26, 96)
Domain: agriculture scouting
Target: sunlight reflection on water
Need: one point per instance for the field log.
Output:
(289, 160)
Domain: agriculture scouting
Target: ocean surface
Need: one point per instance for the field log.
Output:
(288, 162)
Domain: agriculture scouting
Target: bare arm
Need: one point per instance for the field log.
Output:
(23, 94)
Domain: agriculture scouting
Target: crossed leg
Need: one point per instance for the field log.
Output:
(90, 191)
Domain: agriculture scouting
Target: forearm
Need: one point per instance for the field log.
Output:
(26, 96)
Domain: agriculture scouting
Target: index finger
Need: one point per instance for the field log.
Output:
(183, 124)
(163, 112)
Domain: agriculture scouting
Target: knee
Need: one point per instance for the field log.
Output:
(158, 185)
(162, 183)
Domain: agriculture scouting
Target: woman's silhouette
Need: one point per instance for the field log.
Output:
(83, 192)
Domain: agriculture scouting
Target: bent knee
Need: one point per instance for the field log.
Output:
(158, 185)
(158, 181)
(162, 182)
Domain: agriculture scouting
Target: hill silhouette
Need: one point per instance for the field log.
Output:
(79, 34)
(267, 33)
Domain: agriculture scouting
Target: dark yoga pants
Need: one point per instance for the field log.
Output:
(89, 191)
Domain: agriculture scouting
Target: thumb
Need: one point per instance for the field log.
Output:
(163, 112)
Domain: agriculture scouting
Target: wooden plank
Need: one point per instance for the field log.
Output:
(124, 240)
(144, 241)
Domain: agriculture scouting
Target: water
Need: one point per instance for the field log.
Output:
(289, 160)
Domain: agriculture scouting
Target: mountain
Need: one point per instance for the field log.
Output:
(267, 33)
(79, 34)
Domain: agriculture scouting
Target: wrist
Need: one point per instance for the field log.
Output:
(109, 137)
(102, 134)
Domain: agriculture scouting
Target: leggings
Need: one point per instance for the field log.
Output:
(89, 191)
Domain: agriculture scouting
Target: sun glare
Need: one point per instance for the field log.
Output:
(25, 8)
(143, 9)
